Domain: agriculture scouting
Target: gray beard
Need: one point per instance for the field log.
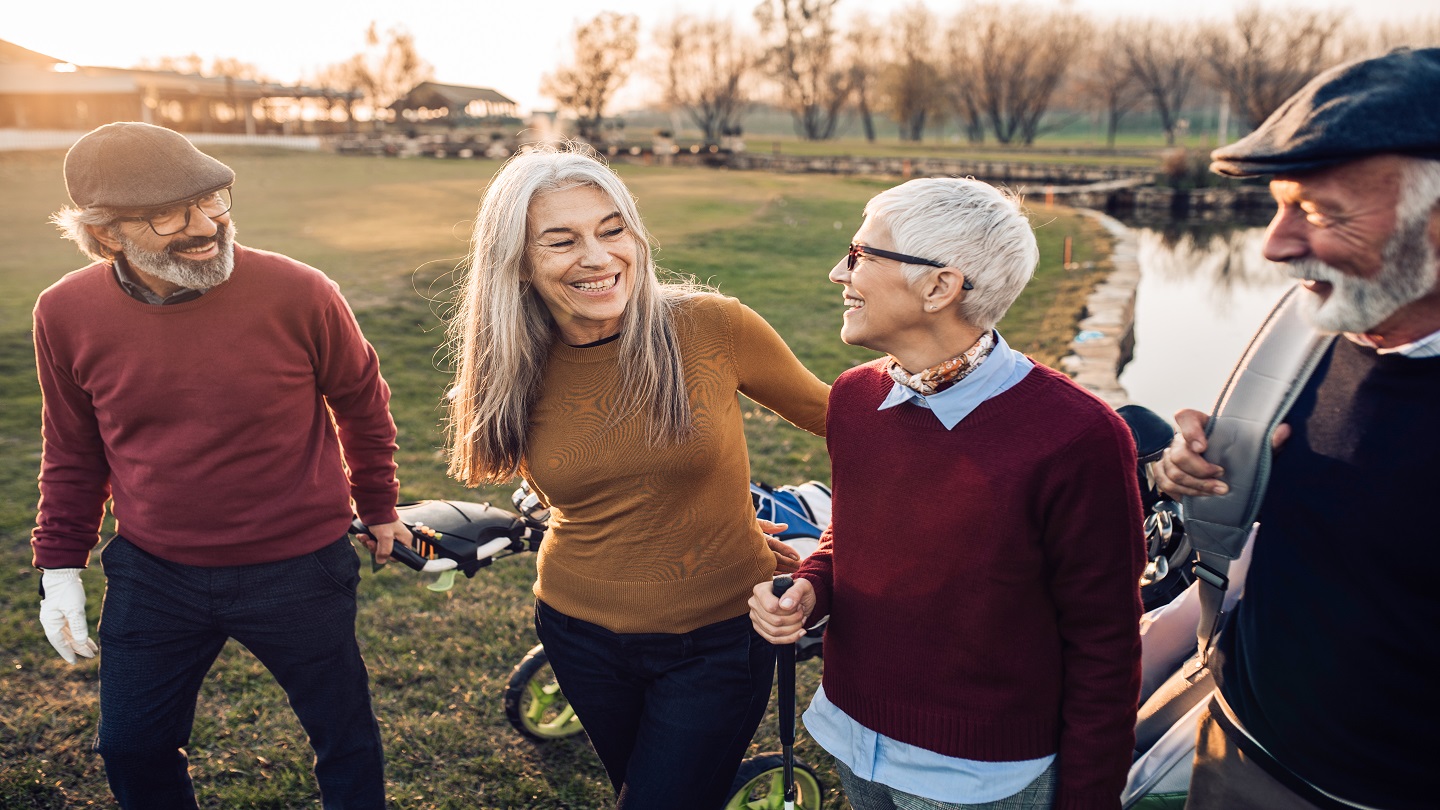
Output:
(1358, 305)
(196, 275)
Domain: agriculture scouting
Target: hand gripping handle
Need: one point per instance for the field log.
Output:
(399, 551)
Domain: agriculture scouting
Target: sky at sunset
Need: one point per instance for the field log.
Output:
(504, 45)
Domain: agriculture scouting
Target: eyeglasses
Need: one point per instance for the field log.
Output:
(174, 218)
(856, 250)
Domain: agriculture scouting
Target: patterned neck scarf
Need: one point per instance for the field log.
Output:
(953, 370)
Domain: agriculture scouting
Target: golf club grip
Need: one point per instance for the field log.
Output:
(785, 657)
(785, 660)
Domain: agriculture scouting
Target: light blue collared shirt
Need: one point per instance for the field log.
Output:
(1001, 370)
(910, 768)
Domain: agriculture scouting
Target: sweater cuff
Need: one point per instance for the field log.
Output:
(822, 598)
(50, 559)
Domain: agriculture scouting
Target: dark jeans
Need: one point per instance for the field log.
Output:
(161, 628)
(670, 715)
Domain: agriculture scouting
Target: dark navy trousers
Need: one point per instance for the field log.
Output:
(670, 715)
(161, 628)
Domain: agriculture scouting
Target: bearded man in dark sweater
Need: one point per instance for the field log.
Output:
(1327, 669)
(226, 405)
(981, 569)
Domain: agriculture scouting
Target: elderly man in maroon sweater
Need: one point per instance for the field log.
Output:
(199, 386)
(981, 569)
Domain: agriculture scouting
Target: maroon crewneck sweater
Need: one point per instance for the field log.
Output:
(209, 421)
(982, 581)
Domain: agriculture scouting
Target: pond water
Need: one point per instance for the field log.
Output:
(1203, 292)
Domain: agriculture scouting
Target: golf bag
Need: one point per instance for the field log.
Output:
(1178, 638)
(804, 508)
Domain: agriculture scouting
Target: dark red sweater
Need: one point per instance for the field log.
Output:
(208, 420)
(982, 581)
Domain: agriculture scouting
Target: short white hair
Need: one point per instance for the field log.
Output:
(971, 226)
(72, 222)
(1419, 188)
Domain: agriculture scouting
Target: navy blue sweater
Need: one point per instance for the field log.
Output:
(1333, 659)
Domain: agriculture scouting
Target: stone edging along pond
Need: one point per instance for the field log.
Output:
(1106, 335)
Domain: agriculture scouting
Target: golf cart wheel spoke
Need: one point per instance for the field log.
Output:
(559, 723)
(537, 692)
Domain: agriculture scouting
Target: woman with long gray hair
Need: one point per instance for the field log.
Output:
(614, 393)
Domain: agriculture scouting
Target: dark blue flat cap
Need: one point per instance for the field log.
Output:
(1386, 105)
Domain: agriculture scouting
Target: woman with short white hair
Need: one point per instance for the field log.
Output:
(1028, 562)
(613, 391)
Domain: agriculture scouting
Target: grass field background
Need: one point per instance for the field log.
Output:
(391, 233)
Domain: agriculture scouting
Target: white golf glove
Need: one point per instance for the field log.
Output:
(62, 614)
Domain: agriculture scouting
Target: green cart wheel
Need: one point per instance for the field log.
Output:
(534, 704)
(760, 785)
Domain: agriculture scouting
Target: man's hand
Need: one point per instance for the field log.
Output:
(787, 559)
(1184, 471)
(781, 621)
(62, 614)
(383, 539)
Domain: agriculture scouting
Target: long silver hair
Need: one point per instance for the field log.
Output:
(500, 331)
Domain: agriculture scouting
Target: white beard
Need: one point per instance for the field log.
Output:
(1358, 305)
(196, 275)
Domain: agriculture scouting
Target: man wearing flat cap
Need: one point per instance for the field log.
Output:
(225, 403)
(1327, 669)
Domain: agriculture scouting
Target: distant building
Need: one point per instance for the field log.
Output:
(42, 92)
(453, 104)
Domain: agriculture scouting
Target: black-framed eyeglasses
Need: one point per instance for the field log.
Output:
(171, 219)
(856, 250)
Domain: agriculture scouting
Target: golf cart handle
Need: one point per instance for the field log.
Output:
(399, 551)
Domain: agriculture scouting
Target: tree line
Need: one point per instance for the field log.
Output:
(993, 70)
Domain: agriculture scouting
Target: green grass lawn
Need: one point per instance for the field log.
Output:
(391, 232)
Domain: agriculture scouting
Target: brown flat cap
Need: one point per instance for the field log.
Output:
(133, 165)
(1385, 105)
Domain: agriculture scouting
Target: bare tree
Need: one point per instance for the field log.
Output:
(814, 86)
(388, 68)
(911, 86)
(1014, 58)
(1262, 57)
(392, 67)
(962, 85)
(862, 69)
(1107, 79)
(604, 53)
(1419, 32)
(1163, 59)
(707, 69)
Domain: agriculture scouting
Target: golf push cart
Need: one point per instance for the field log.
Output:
(453, 537)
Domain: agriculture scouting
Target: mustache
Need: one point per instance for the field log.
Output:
(1311, 270)
(197, 242)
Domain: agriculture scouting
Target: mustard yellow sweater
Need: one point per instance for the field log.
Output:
(660, 539)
